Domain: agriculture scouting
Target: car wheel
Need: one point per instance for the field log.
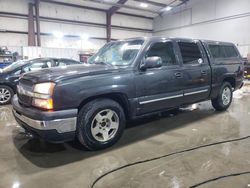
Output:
(224, 99)
(100, 124)
(6, 94)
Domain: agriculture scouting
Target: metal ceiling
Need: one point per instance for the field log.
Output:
(133, 7)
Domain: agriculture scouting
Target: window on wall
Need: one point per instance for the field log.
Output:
(165, 51)
(190, 52)
(222, 51)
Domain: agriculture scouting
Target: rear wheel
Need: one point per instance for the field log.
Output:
(224, 99)
(100, 124)
(6, 93)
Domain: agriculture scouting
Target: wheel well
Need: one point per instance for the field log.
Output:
(118, 97)
(231, 80)
(8, 85)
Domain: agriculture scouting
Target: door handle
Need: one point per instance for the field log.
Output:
(178, 75)
(203, 72)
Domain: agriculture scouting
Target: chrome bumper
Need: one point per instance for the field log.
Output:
(60, 125)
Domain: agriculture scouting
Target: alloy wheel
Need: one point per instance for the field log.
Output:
(226, 96)
(5, 95)
(105, 125)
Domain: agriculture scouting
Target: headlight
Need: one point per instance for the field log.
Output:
(44, 88)
(42, 96)
(46, 104)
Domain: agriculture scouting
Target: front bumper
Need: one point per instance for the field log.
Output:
(53, 126)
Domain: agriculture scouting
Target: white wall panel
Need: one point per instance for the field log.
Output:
(32, 52)
(172, 20)
(8, 39)
(128, 21)
(69, 29)
(52, 42)
(202, 22)
(60, 53)
(207, 13)
(37, 52)
(231, 7)
(13, 24)
(71, 13)
(68, 13)
(119, 34)
(17, 6)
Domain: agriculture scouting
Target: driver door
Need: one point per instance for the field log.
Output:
(160, 88)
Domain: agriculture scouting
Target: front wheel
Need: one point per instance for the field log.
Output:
(100, 124)
(6, 93)
(224, 99)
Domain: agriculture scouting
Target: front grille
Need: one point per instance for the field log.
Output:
(24, 100)
(26, 85)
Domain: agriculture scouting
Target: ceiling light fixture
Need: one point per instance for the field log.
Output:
(168, 8)
(84, 37)
(144, 5)
(58, 34)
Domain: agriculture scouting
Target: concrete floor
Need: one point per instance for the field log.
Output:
(32, 163)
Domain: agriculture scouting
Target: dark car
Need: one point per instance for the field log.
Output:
(126, 80)
(247, 68)
(10, 75)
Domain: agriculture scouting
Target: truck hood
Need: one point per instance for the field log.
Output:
(68, 72)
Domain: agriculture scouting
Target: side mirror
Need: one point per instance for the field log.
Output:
(151, 62)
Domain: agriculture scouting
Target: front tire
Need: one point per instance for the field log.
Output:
(100, 124)
(224, 99)
(6, 94)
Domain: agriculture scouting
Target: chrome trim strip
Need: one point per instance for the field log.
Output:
(60, 125)
(196, 92)
(174, 96)
(161, 99)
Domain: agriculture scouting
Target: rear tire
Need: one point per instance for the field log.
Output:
(6, 94)
(100, 124)
(224, 99)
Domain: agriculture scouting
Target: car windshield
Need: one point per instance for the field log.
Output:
(14, 65)
(120, 53)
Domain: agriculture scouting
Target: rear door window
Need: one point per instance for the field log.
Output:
(190, 52)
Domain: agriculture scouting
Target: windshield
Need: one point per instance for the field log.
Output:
(14, 65)
(117, 53)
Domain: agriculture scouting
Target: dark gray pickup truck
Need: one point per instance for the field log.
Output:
(125, 80)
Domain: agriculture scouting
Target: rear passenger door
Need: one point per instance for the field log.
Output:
(196, 71)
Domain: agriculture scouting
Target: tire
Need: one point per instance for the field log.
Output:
(97, 128)
(221, 103)
(6, 94)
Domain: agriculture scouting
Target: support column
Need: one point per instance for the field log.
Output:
(31, 27)
(37, 2)
(109, 14)
(108, 26)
